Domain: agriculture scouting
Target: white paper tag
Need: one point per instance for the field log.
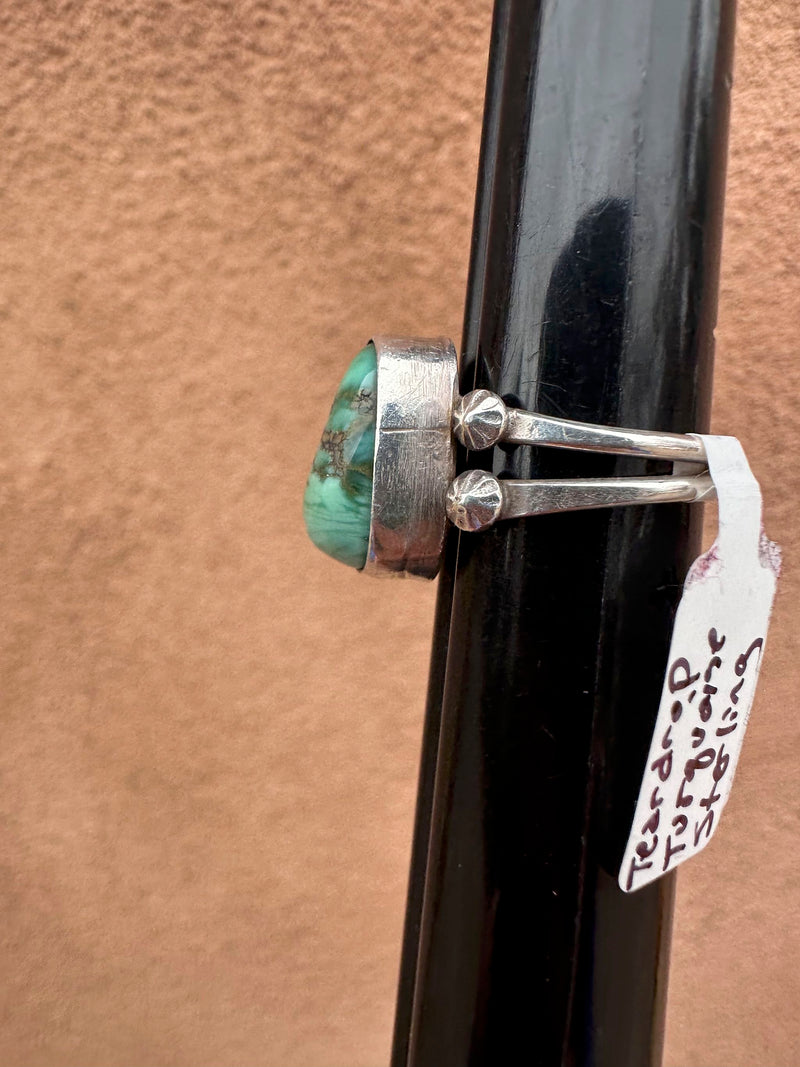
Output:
(714, 659)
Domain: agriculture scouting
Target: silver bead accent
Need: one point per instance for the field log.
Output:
(474, 500)
(479, 419)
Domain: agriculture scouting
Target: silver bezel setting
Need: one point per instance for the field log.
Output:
(415, 458)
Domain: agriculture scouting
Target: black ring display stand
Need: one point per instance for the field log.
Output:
(592, 296)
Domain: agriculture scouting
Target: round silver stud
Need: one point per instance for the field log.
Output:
(479, 419)
(474, 500)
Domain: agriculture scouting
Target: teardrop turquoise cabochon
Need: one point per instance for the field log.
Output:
(338, 497)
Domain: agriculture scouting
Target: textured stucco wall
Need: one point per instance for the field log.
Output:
(209, 731)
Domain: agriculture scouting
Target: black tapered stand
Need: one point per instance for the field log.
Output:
(592, 295)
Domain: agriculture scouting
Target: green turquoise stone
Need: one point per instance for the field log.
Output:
(338, 497)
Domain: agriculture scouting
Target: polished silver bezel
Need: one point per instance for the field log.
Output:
(414, 461)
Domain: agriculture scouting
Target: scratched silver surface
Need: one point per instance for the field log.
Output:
(414, 455)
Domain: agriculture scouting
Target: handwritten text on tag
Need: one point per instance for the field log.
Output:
(715, 655)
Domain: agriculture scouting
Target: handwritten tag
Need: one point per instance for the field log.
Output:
(714, 659)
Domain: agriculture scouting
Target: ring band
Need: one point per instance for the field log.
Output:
(481, 420)
(476, 499)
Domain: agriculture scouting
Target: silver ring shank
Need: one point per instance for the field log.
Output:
(528, 428)
(523, 498)
(476, 499)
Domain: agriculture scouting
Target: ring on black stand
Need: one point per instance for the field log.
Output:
(383, 484)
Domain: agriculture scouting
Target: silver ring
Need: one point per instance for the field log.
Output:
(383, 487)
(415, 455)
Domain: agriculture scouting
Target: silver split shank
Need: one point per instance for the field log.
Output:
(415, 491)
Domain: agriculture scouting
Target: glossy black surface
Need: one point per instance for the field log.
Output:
(430, 738)
(592, 295)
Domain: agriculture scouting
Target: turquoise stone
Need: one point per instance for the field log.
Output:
(338, 497)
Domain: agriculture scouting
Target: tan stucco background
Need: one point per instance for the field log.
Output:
(209, 731)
